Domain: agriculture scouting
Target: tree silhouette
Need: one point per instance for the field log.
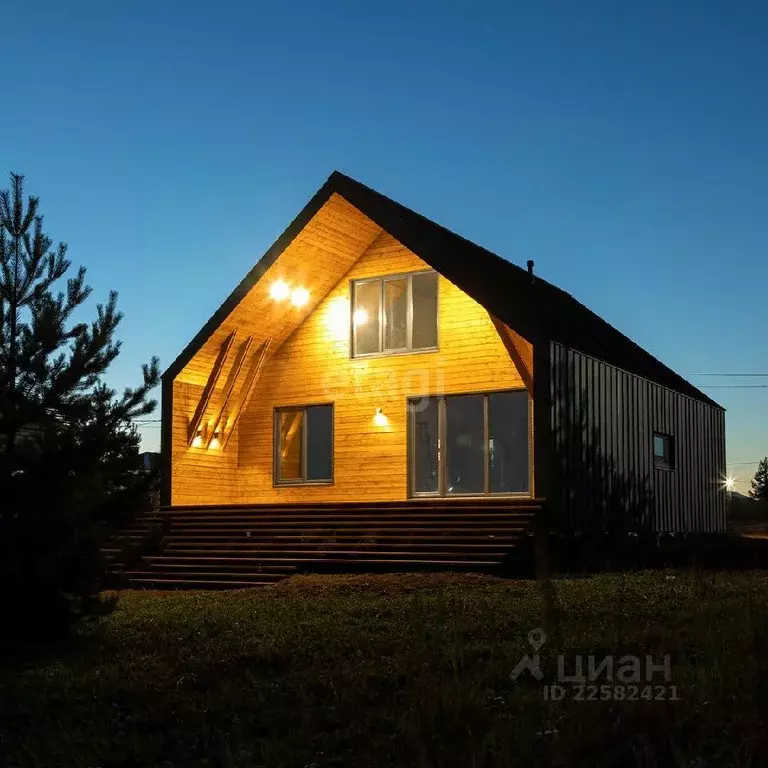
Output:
(759, 486)
(68, 451)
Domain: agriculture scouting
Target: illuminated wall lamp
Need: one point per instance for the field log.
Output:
(215, 443)
(379, 419)
(279, 290)
(197, 440)
(299, 297)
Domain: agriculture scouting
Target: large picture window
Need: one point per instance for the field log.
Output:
(394, 314)
(470, 444)
(304, 444)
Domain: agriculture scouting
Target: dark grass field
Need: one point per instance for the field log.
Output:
(406, 670)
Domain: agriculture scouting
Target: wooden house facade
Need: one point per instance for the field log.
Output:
(373, 359)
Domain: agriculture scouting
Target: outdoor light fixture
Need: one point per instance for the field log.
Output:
(279, 290)
(379, 419)
(360, 317)
(299, 297)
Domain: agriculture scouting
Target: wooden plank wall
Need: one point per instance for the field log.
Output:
(314, 366)
(324, 250)
(199, 475)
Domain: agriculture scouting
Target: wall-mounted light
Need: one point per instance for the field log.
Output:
(197, 440)
(299, 297)
(279, 290)
(379, 419)
(215, 443)
(360, 317)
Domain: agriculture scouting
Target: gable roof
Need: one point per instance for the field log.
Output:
(537, 309)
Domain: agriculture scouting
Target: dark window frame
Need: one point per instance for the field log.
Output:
(408, 349)
(441, 491)
(667, 460)
(277, 481)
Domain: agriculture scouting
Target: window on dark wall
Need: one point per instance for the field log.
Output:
(663, 451)
(394, 314)
(304, 445)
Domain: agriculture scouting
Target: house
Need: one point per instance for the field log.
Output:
(374, 358)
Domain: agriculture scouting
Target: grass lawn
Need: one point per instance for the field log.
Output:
(398, 670)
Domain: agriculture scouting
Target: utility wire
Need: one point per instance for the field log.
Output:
(732, 386)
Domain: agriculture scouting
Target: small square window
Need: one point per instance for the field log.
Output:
(663, 451)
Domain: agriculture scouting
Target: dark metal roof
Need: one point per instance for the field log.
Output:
(535, 308)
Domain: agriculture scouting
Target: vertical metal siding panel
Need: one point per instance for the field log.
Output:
(563, 407)
(692, 494)
(709, 477)
(619, 413)
(580, 452)
(657, 480)
(686, 479)
(554, 419)
(603, 433)
(702, 415)
(613, 442)
(660, 423)
(721, 465)
(696, 454)
(680, 477)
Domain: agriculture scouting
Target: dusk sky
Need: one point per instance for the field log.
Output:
(622, 146)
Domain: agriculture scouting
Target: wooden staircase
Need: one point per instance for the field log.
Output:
(244, 546)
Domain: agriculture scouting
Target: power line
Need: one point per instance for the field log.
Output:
(758, 375)
(733, 386)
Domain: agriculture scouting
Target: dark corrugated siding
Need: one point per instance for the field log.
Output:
(603, 420)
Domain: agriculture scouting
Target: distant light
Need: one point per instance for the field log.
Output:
(729, 483)
(379, 419)
(360, 317)
(299, 297)
(279, 290)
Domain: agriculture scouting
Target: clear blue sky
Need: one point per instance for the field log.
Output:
(623, 146)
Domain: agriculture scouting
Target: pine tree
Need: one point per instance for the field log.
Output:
(68, 450)
(759, 488)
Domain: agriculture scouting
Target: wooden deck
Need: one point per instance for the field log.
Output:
(244, 546)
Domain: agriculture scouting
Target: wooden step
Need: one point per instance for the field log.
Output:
(159, 582)
(340, 507)
(304, 555)
(240, 546)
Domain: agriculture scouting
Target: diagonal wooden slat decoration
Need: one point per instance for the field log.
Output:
(205, 397)
(519, 350)
(257, 362)
(229, 386)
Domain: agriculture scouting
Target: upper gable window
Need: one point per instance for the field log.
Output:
(394, 314)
